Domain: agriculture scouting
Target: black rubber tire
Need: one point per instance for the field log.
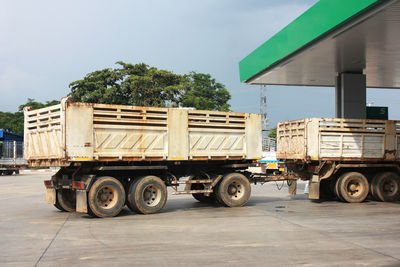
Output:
(57, 205)
(106, 197)
(147, 195)
(372, 187)
(353, 187)
(129, 200)
(218, 200)
(201, 197)
(336, 191)
(234, 190)
(66, 199)
(89, 211)
(385, 187)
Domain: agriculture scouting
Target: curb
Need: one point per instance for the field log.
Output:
(36, 171)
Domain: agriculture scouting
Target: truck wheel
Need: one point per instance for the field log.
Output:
(386, 186)
(234, 190)
(129, 200)
(337, 192)
(201, 197)
(66, 199)
(147, 195)
(106, 197)
(57, 205)
(353, 187)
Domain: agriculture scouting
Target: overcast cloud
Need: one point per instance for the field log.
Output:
(45, 45)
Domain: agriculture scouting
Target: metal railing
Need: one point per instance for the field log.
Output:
(12, 152)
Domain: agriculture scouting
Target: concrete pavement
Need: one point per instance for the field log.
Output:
(273, 229)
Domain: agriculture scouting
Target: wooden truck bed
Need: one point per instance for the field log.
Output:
(338, 139)
(69, 132)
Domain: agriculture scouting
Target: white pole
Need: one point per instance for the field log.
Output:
(15, 152)
(306, 188)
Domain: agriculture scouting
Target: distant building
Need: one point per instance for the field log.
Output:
(11, 144)
(269, 144)
(6, 135)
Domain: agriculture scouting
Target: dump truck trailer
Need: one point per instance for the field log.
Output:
(112, 155)
(344, 158)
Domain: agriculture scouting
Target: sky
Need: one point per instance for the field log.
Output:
(45, 45)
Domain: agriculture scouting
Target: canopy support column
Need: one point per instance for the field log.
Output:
(351, 96)
(338, 97)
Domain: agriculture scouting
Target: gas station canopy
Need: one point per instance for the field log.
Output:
(332, 37)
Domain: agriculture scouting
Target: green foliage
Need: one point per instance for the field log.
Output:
(141, 85)
(14, 122)
(272, 133)
(203, 92)
(138, 85)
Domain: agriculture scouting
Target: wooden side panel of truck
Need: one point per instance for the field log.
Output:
(338, 139)
(112, 155)
(346, 158)
(58, 135)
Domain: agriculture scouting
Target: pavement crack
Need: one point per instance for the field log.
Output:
(52, 240)
(95, 238)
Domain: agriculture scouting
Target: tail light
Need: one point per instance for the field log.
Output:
(78, 185)
(313, 168)
(48, 183)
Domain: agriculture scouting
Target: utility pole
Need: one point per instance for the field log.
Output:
(263, 108)
(266, 144)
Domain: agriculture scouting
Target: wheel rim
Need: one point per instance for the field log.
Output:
(107, 197)
(236, 190)
(152, 195)
(389, 187)
(354, 188)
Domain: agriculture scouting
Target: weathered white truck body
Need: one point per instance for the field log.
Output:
(112, 155)
(346, 158)
(338, 139)
(68, 132)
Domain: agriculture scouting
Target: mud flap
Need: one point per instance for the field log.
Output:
(81, 201)
(51, 195)
(313, 188)
(293, 187)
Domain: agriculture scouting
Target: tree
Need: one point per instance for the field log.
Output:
(272, 133)
(157, 88)
(138, 85)
(102, 86)
(203, 92)
(13, 122)
(141, 85)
